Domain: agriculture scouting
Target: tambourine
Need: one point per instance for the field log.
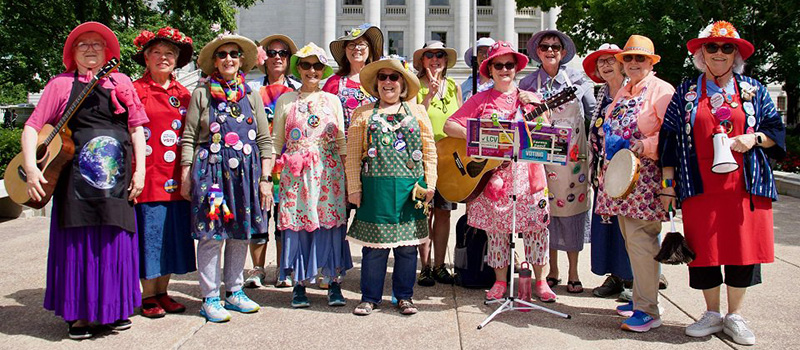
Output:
(621, 175)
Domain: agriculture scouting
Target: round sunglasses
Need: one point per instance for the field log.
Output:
(431, 54)
(392, 77)
(307, 65)
(630, 58)
(727, 48)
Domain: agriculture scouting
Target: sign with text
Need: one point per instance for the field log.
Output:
(548, 144)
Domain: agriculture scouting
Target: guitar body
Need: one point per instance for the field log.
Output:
(461, 178)
(51, 160)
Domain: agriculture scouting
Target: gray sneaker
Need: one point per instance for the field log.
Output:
(255, 278)
(736, 327)
(626, 294)
(710, 323)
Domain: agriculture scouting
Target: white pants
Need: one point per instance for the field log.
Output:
(208, 263)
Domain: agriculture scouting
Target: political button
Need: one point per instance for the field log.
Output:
(146, 133)
(385, 130)
(571, 185)
(202, 154)
(251, 134)
(372, 152)
(688, 129)
(169, 138)
(582, 178)
(560, 203)
(170, 186)
(689, 106)
(214, 127)
(416, 155)
(169, 156)
(222, 106)
(598, 123)
(748, 108)
(182, 110)
(351, 103)
(215, 147)
(313, 121)
(233, 163)
(216, 138)
(222, 117)
(552, 176)
(238, 145)
(303, 108)
(751, 120)
(717, 100)
(690, 96)
(571, 198)
(723, 113)
(330, 128)
(734, 104)
(247, 149)
(235, 109)
(582, 197)
(174, 102)
(213, 159)
(373, 127)
(231, 138)
(386, 140)
(250, 120)
(295, 134)
(176, 124)
(399, 145)
(542, 203)
(148, 150)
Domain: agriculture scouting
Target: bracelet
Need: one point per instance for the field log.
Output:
(667, 183)
(666, 195)
(267, 178)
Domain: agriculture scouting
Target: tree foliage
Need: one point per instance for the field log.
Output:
(771, 25)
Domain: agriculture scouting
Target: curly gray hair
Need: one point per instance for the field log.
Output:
(700, 63)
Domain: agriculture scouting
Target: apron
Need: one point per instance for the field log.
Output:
(94, 190)
(225, 196)
(568, 184)
(351, 98)
(387, 217)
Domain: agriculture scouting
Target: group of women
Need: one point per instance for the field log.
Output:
(220, 160)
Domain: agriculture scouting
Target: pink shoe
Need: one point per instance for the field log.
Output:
(498, 291)
(544, 293)
(524, 292)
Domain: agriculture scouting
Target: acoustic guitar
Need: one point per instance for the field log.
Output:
(462, 178)
(54, 150)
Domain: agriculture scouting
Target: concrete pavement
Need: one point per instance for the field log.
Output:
(447, 320)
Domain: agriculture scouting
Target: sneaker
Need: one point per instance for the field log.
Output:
(255, 278)
(151, 308)
(736, 327)
(441, 275)
(425, 278)
(213, 311)
(121, 325)
(335, 297)
(641, 322)
(238, 301)
(324, 282)
(611, 286)
(79, 333)
(299, 298)
(625, 310)
(288, 282)
(626, 295)
(710, 323)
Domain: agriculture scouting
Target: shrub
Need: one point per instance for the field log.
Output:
(9, 146)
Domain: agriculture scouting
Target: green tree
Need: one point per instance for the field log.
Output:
(771, 25)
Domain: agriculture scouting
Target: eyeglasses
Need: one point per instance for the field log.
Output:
(392, 77)
(629, 58)
(307, 65)
(507, 66)
(606, 62)
(276, 53)
(726, 48)
(357, 46)
(554, 47)
(431, 54)
(223, 54)
(96, 46)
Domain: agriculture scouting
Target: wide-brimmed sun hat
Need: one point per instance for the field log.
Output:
(724, 32)
(250, 53)
(434, 45)
(112, 44)
(590, 62)
(566, 42)
(501, 48)
(371, 33)
(264, 43)
(309, 50)
(169, 35)
(639, 45)
(482, 42)
(369, 75)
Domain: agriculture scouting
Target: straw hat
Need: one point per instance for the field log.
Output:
(639, 45)
(206, 58)
(264, 43)
(309, 50)
(112, 44)
(431, 46)
(721, 31)
(566, 42)
(371, 33)
(398, 64)
(170, 35)
(590, 62)
(501, 48)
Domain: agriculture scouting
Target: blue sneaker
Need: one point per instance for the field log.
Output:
(238, 301)
(625, 310)
(335, 297)
(394, 299)
(641, 322)
(213, 311)
(299, 298)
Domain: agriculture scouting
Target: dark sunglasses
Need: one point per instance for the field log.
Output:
(629, 58)
(507, 66)
(392, 77)
(306, 65)
(438, 54)
(726, 48)
(545, 47)
(276, 53)
(222, 54)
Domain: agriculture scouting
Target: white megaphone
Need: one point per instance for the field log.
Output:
(723, 158)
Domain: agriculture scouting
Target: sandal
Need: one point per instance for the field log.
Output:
(574, 287)
(497, 291)
(544, 293)
(364, 308)
(553, 281)
(407, 307)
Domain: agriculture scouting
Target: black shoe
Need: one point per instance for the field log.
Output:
(79, 333)
(120, 325)
(441, 275)
(611, 286)
(425, 278)
(662, 282)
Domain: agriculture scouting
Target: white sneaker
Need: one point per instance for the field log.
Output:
(736, 327)
(626, 294)
(238, 301)
(710, 323)
(255, 277)
(213, 311)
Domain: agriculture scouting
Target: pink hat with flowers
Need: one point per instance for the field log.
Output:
(501, 48)
(721, 31)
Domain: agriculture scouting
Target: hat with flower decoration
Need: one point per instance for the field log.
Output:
(309, 50)
(169, 35)
(371, 33)
(721, 31)
(397, 63)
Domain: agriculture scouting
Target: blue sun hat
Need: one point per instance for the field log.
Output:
(536, 39)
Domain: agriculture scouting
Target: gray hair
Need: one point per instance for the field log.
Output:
(700, 63)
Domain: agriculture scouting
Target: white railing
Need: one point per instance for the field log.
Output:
(395, 10)
(439, 10)
(528, 11)
(485, 10)
(352, 9)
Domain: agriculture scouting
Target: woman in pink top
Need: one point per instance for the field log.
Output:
(526, 181)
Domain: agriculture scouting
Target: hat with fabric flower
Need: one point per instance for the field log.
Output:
(590, 62)
(169, 35)
(721, 31)
(498, 49)
(309, 50)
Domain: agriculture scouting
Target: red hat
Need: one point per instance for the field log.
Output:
(721, 31)
(112, 44)
(501, 48)
(168, 34)
(590, 62)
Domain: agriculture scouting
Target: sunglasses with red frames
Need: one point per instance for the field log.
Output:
(392, 77)
(276, 53)
(507, 66)
(629, 58)
(438, 54)
(222, 54)
(307, 65)
(727, 48)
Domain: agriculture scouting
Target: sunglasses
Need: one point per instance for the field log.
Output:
(392, 77)
(606, 62)
(554, 47)
(438, 54)
(307, 65)
(629, 58)
(726, 48)
(222, 54)
(507, 66)
(276, 53)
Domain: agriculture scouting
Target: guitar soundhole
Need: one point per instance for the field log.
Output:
(474, 168)
(22, 174)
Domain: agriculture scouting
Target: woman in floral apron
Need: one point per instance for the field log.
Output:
(392, 158)
(226, 158)
(310, 127)
(633, 122)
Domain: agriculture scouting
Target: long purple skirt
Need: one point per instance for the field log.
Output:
(92, 273)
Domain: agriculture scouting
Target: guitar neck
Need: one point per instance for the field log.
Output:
(71, 110)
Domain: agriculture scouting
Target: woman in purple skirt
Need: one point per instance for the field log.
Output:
(93, 258)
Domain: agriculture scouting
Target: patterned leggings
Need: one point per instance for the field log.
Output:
(537, 245)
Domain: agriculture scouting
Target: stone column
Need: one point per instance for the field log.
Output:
(463, 30)
(416, 37)
(328, 24)
(372, 12)
(505, 21)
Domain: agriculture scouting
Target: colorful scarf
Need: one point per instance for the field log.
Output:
(226, 91)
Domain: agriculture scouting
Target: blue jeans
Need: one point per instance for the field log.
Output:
(373, 272)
